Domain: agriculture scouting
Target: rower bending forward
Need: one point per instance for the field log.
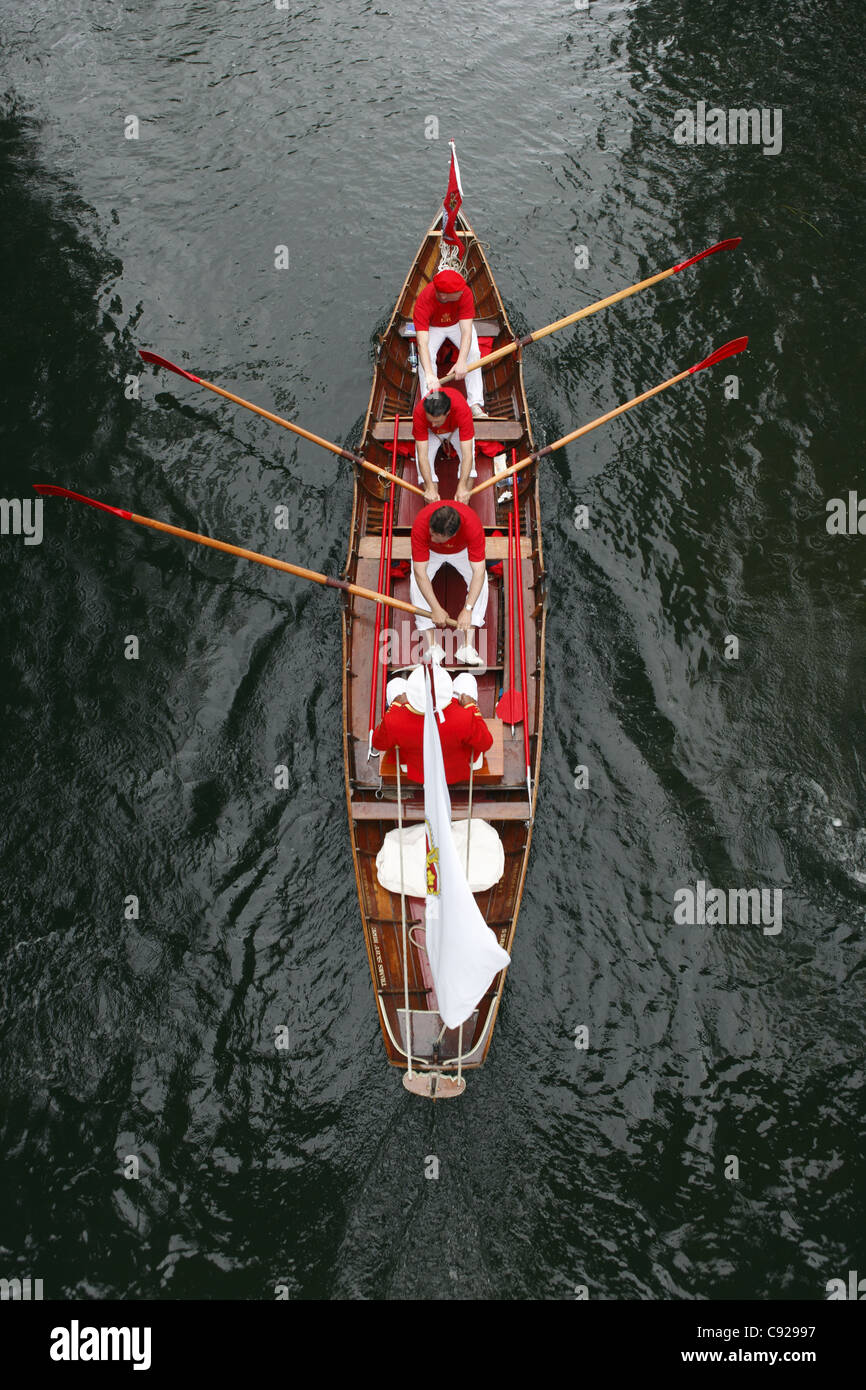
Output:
(442, 415)
(446, 309)
(449, 533)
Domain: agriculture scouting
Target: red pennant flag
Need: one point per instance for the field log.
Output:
(452, 203)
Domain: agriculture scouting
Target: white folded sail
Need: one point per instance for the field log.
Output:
(463, 952)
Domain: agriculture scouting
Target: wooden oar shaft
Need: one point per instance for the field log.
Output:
(159, 361)
(584, 429)
(485, 361)
(274, 564)
(596, 307)
(278, 420)
(313, 438)
(601, 304)
(564, 323)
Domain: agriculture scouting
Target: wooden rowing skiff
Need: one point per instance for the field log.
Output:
(501, 794)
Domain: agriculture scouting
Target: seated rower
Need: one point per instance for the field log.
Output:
(449, 533)
(446, 309)
(441, 415)
(465, 689)
(462, 732)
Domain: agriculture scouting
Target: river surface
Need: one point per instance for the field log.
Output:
(708, 1141)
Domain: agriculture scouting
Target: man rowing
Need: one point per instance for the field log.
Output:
(446, 309)
(438, 416)
(449, 533)
(462, 732)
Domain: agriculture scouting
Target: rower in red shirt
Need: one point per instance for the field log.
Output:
(446, 309)
(449, 533)
(462, 732)
(438, 416)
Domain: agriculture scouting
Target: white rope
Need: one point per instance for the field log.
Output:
(450, 258)
(403, 917)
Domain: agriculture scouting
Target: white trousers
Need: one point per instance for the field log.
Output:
(461, 562)
(434, 443)
(437, 335)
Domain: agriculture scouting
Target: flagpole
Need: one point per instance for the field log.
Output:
(469, 821)
(403, 918)
(456, 167)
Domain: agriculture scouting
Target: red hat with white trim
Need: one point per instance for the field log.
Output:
(449, 282)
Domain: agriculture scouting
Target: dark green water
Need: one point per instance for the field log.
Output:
(155, 1037)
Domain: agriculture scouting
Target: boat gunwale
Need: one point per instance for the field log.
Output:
(362, 491)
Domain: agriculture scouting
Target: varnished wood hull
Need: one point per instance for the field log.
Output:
(506, 804)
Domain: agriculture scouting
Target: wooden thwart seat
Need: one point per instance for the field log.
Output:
(481, 810)
(496, 547)
(485, 328)
(503, 430)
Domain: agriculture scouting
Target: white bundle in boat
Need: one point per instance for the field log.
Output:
(486, 857)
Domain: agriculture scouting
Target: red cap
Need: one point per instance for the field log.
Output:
(449, 281)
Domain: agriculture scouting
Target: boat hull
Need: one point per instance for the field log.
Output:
(501, 795)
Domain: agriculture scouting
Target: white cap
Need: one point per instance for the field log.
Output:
(442, 688)
(466, 684)
(396, 686)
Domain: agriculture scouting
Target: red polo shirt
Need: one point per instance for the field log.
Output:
(463, 736)
(468, 536)
(430, 310)
(458, 417)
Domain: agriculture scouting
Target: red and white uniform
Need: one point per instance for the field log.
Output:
(458, 425)
(441, 321)
(430, 310)
(462, 733)
(465, 547)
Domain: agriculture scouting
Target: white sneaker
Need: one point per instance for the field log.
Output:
(479, 413)
(468, 656)
(435, 653)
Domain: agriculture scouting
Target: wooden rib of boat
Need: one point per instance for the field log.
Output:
(500, 794)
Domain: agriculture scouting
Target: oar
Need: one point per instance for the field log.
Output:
(729, 350)
(392, 501)
(277, 419)
(382, 548)
(509, 706)
(522, 638)
(594, 308)
(50, 490)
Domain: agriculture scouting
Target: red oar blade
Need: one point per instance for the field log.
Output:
(729, 350)
(170, 366)
(51, 490)
(719, 246)
(511, 707)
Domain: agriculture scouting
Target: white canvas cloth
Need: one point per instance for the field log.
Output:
(463, 952)
(486, 857)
